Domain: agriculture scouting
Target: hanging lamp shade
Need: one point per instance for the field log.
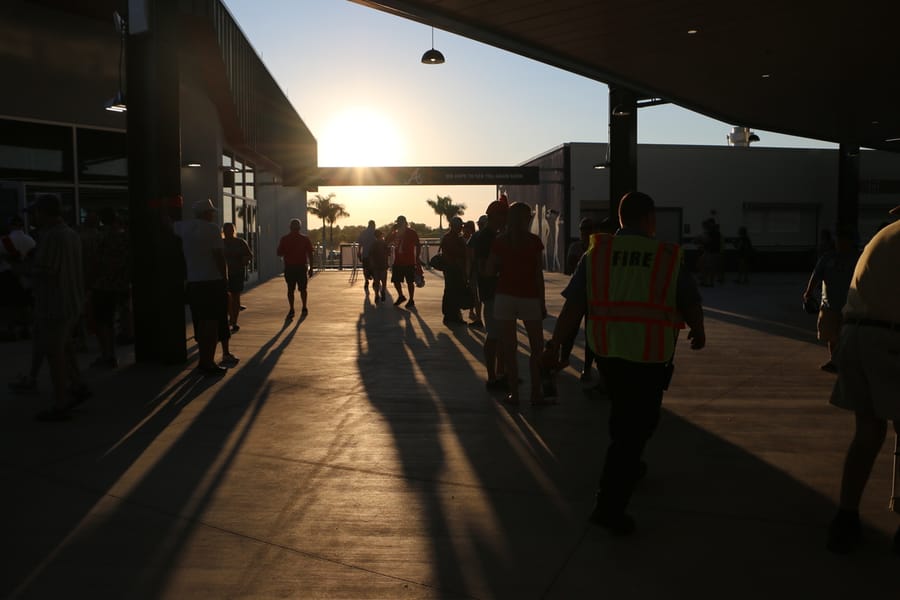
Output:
(432, 57)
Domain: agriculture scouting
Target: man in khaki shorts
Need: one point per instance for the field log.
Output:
(868, 361)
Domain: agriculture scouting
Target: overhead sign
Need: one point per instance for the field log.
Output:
(350, 176)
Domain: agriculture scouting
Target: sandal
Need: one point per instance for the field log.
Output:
(512, 401)
(544, 401)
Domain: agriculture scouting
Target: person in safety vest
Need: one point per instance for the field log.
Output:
(636, 296)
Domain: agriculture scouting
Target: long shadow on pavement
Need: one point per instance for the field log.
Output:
(122, 537)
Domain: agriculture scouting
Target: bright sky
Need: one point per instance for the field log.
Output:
(355, 78)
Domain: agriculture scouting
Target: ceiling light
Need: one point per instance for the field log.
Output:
(692, 31)
(193, 165)
(602, 165)
(618, 111)
(893, 139)
(117, 103)
(432, 57)
(766, 75)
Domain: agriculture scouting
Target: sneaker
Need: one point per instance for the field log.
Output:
(410, 304)
(844, 532)
(400, 300)
(25, 383)
(829, 367)
(213, 371)
(230, 358)
(619, 525)
(496, 384)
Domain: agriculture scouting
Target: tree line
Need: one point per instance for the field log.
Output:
(323, 207)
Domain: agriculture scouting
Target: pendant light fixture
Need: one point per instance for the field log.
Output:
(117, 103)
(432, 57)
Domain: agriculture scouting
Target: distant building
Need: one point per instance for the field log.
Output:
(784, 196)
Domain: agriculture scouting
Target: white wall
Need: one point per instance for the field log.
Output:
(277, 206)
(787, 194)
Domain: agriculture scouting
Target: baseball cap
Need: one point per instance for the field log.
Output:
(400, 219)
(203, 206)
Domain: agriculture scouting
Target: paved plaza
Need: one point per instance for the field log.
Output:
(355, 454)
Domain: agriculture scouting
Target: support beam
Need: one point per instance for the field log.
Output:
(848, 188)
(622, 145)
(154, 182)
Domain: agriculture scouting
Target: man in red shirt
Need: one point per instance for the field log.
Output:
(297, 252)
(406, 256)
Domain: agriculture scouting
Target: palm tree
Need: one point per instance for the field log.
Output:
(323, 208)
(444, 207)
(336, 212)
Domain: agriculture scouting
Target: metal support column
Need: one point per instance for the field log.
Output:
(622, 145)
(848, 188)
(154, 180)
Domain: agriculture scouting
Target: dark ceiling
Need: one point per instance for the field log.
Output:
(828, 70)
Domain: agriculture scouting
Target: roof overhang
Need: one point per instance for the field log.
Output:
(256, 117)
(804, 68)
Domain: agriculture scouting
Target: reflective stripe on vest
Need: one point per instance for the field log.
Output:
(631, 297)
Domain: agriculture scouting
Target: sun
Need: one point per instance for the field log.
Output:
(360, 137)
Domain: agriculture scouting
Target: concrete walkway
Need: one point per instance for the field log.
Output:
(355, 454)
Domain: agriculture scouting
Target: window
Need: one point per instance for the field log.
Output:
(102, 157)
(35, 151)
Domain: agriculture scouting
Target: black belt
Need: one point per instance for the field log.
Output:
(875, 323)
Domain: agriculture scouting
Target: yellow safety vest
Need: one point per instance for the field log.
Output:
(632, 284)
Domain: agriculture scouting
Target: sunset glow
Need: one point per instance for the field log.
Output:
(360, 136)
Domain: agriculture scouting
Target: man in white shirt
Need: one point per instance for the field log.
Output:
(204, 256)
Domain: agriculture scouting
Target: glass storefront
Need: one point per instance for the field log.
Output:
(239, 205)
(38, 158)
(88, 169)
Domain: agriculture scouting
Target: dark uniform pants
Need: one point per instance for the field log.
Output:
(635, 393)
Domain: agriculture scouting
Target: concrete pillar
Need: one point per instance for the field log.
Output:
(622, 145)
(848, 187)
(154, 181)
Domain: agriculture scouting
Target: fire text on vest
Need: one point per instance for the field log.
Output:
(632, 259)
